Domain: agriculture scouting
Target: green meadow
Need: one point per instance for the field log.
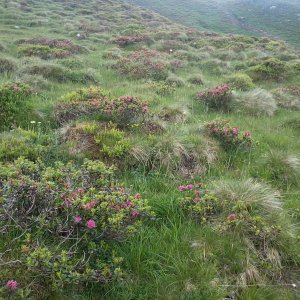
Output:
(144, 159)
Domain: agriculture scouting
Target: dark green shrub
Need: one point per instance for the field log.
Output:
(13, 97)
(20, 142)
(241, 82)
(269, 69)
(60, 214)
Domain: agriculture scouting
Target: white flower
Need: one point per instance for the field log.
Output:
(32, 122)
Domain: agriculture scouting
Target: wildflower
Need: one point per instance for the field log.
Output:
(135, 212)
(190, 186)
(182, 188)
(80, 191)
(91, 224)
(231, 216)
(196, 200)
(137, 196)
(32, 122)
(12, 285)
(145, 108)
(77, 219)
(235, 131)
(67, 202)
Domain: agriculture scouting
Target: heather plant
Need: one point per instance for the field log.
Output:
(73, 211)
(146, 64)
(44, 52)
(13, 97)
(163, 88)
(123, 41)
(216, 98)
(229, 137)
(196, 79)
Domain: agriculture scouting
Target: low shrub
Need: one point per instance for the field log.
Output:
(241, 82)
(250, 211)
(122, 111)
(196, 79)
(59, 73)
(216, 98)
(174, 80)
(86, 94)
(13, 97)
(112, 142)
(269, 69)
(229, 137)
(143, 64)
(123, 41)
(7, 65)
(59, 214)
(44, 52)
(163, 88)
(20, 142)
(257, 102)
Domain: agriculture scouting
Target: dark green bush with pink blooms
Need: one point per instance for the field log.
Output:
(13, 98)
(229, 137)
(216, 98)
(60, 222)
(122, 111)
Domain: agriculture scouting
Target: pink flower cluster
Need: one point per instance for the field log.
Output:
(12, 285)
(183, 188)
(215, 91)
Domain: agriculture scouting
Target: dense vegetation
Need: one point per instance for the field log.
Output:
(272, 18)
(142, 159)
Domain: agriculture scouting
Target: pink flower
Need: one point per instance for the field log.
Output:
(80, 191)
(145, 108)
(190, 186)
(137, 196)
(182, 188)
(91, 224)
(135, 212)
(235, 131)
(67, 202)
(12, 285)
(231, 216)
(196, 200)
(77, 219)
(89, 205)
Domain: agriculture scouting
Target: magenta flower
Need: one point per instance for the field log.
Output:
(12, 285)
(145, 108)
(135, 212)
(137, 196)
(231, 216)
(77, 219)
(67, 202)
(235, 131)
(91, 224)
(80, 191)
(190, 186)
(196, 200)
(182, 188)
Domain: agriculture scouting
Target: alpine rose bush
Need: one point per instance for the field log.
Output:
(216, 98)
(229, 137)
(62, 218)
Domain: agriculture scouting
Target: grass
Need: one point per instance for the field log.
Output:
(173, 256)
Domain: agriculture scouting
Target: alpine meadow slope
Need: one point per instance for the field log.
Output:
(144, 159)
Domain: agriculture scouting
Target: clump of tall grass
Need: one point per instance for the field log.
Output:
(257, 102)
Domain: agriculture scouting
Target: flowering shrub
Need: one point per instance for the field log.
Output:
(62, 217)
(229, 137)
(217, 98)
(122, 111)
(143, 63)
(13, 98)
(123, 41)
(44, 52)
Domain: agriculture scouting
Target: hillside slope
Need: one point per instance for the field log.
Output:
(273, 18)
(143, 159)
